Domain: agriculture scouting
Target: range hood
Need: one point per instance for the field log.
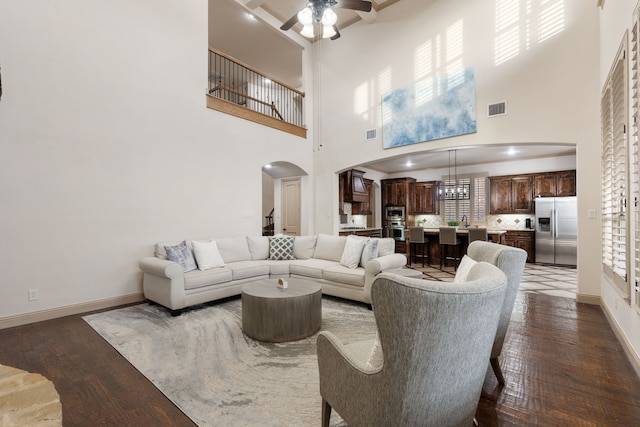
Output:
(355, 189)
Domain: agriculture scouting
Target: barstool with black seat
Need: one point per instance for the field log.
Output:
(448, 238)
(417, 239)
(477, 234)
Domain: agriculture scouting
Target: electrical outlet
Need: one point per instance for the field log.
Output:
(33, 295)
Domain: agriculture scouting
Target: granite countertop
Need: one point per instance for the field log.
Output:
(463, 229)
(360, 229)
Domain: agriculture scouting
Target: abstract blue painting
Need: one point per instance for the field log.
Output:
(431, 109)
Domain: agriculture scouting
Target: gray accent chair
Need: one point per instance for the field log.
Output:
(511, 261)
(436, 341)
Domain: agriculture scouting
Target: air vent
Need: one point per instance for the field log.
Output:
(370, 134)
(497, 109)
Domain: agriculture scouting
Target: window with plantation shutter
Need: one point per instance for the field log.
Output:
(635, 171)
(474, 207)
(615, 176)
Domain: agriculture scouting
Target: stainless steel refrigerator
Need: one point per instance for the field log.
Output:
(557, 230)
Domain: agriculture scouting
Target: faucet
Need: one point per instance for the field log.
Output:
(465, 220)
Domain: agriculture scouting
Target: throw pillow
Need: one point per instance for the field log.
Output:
(329, 247)
(181, 254)
(369, 252)
(352, 251)
(376, 357)
(234, 249)
(281, 248)
(463, 269)
(258, 247)
(303, 247)
(207, 255)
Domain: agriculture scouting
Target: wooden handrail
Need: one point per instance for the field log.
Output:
(274, 109)
(232, 59)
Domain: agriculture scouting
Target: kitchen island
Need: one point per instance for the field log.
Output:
(432, 235)
(361, 231)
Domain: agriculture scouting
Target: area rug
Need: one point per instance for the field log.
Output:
(28, 399)
(216, 375)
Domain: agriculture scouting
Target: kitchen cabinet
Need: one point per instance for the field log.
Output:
(364, 208)
(555, 184)
(511, 194)
(354, 188)
(422, 197)
(395, 192)
(523, 240)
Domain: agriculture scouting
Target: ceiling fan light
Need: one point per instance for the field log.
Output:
(307, 31)
(329, 17)
(305, 16)
(328, 31)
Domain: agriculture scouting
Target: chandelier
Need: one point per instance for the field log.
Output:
(451, 189)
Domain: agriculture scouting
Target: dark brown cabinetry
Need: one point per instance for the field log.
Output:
(514, 194)
(511, 194)
(523, 240)
(395, 192)
(422, 198)
(364, 208)
(555, 184)
(354, 188)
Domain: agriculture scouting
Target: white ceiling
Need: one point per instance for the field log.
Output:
(256, 43)
(468, 156)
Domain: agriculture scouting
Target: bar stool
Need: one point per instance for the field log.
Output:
(477, 234)
(449, 238)
(416, 238)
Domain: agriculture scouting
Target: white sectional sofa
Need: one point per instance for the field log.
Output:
(344, 266)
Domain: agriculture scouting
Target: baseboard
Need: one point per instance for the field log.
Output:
(54, 313)
(589, 299)
(626, 345)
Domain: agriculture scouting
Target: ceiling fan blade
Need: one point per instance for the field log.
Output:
(361, 5)
(336, 35)
(290, 23)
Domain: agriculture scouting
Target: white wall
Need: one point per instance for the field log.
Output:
(107, 147)
(551, 88)
(615, 19)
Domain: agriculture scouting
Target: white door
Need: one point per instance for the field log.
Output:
(291, 207)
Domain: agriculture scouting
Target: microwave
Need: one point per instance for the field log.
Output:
(394, 213)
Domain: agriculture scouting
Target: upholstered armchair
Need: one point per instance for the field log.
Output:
(435, 340)
(511, 261)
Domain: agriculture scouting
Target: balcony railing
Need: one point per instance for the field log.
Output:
(243, 91)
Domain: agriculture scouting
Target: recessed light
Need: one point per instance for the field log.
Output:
(251, 17)
(268, 166)
(512, 152)
(408, 164)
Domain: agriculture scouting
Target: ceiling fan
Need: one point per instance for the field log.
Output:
(319, 13)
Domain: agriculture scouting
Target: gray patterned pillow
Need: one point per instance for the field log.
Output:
(181, 254)
(281, 248)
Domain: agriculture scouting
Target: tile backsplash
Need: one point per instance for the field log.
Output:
(503, 222)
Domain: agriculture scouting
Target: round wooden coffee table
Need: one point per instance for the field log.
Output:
(277, 315)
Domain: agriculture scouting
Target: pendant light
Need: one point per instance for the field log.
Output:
(452, 190)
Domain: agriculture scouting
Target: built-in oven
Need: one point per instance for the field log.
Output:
(395, 230)
(394, 213)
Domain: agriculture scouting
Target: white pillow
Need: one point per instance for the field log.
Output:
(352, 251)
(369, 252)
(207, 255)
(303, 247)
(329, 247)
(464, 268)
(376, 357)
(258, 247)
(234, 249)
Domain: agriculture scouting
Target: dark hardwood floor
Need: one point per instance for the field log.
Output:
(562, 363)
